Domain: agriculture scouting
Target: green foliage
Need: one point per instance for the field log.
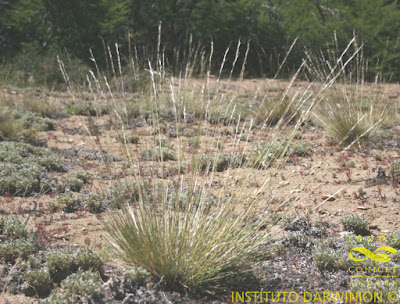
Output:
(33, 32)
(273, 111)
(39, 280)
(12, 228)
(129, 138)
(88, 260)
(171, 244)
(328, 259)
(60, 265)
(93, 202)
(356, 224)
(82, 283)
(57, 297)
(220, 162)
(158, 154)
(263, 155)
(11, 250)
(395, 170)
(87, 109)
(138, 274)
(76, 179)
(121, 193)
(67, 202)
(395, 235)
(345, 122)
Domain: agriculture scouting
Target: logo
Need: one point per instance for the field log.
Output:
(380, 257)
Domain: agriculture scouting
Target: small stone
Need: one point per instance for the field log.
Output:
(329, 198)
(373, 226)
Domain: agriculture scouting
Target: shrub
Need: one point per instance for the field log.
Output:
(12, 228)
(11, 250)
(220, 162)
(130, 138)
(298, 239)
(395, 171)
(87, 109)
(10, 130)
(158, 154)
(57, 297)
(138, 275)
(23, 168)
(93, 202)
(74, 184)
(121, 193)
(60, 265)
(82, 283)
(82, 175)
(356, 224)
(67, 202)
(395, 236)
(301, 148)
(22, 126)
(77, 179)
(33, 121)
(88, 260)
(327, 259)
(39, 280)
(263, 155)
(49, 107)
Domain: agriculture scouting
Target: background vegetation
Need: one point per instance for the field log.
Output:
(33, 31)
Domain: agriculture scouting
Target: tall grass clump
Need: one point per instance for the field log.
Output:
(206, 226)
(351, 112)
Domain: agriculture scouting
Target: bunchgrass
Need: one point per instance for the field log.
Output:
(206, 226)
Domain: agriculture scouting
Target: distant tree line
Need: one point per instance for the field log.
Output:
(30, 28)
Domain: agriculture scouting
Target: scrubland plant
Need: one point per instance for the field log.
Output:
(351, 111)
(60, 265)
(39, 280)
(356, 224)
(213, 226)
(329, 259)
(82, 283)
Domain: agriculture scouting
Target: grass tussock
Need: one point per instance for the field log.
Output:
(346, 122)
(206, 226)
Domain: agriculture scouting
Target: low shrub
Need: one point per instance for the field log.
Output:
(158, 154)
(93, 202)
(12, 228)
(82, 283)
(60, 264)
(129, 138)
(220, 162)
(328, 259)
(67, 202)
(87, 109)
(356, 224)
(11, 250)
(57, 297)
(88, 260)
(138, 275)
(23, 168)
(39, 280)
